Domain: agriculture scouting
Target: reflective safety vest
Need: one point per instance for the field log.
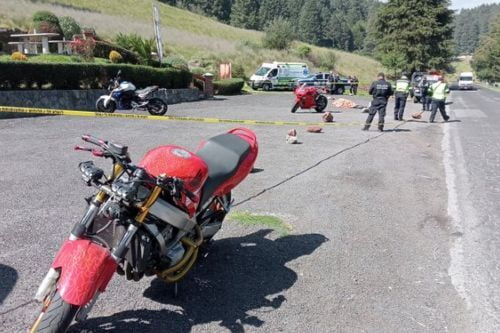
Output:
(439, 91)
(403, 86)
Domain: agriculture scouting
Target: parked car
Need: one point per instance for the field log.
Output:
(416, 79)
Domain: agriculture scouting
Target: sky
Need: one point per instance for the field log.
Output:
(457, 4)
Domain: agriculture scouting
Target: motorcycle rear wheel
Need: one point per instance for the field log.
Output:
(56, 317)
(157, 107)
(321, 103)
(109, 109)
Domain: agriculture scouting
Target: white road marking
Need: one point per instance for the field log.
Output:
(469, 113)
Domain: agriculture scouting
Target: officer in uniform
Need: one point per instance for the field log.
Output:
(438, 91)
(402, 90)
(381, 90)
(426, 97)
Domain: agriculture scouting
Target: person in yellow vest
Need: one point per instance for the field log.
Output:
(439, 91)
(402, 91)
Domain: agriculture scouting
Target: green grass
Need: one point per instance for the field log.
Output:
(55, 58)
(266, 221)
(194, 37)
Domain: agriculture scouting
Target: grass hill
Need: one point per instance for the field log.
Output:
(194, 37)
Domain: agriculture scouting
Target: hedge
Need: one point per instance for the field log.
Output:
(103, 48)
(22, 75)
(229, 86)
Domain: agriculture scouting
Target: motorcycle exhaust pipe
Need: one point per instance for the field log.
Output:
(47, 285)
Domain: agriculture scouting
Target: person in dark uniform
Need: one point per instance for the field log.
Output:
(354, 85)
(426, 96)
(402, 90)
(381, 90)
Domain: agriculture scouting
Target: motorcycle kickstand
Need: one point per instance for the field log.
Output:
(176, 289)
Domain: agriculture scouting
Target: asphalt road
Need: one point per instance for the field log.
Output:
(472, 156)
(371, 247)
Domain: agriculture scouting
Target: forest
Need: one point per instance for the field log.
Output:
(471, 25)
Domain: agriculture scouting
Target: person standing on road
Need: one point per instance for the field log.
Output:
(438, 91)
(381, 90)
(402, 90)
(354, 85)
(426, 96)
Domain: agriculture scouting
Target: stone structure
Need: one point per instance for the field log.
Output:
(80, 99)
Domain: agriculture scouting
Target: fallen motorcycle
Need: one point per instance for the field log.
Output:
(124, 95)
(146, 219)
(308, 97)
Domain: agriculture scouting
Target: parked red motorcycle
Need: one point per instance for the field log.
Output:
(307, 97)
(146, 219)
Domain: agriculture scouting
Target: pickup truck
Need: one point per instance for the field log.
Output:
(338, 86)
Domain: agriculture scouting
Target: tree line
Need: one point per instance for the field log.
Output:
(342, 24)
(471, 25)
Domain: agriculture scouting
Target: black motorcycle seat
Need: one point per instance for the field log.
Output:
(145, 91)
(223, 155)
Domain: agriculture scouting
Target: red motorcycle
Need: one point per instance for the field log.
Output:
(307, 97)
(146, 219)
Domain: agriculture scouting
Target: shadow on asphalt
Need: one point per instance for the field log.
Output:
(240, 275)
(8, 279)
(454, 121)
(397, 130)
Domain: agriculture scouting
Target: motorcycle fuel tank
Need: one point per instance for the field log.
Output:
(175, 161)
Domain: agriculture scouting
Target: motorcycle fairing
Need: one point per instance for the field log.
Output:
(86, 267)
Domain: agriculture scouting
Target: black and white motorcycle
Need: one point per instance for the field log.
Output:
(123, 95)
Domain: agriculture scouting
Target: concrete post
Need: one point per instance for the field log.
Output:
(20, 48)
(26, 46)
(60, 48)
(45, 45)
(208, 87)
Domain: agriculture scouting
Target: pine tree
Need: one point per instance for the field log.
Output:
(414, 35)
(271, 10)
(310, 23)
(245, 14)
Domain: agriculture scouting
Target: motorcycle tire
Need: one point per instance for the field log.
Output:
(295, 107)
(321, 103)
(101, 108)
(56, 318)
(157, 107)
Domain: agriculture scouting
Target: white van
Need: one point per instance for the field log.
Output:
(465, 81)
(278, 75)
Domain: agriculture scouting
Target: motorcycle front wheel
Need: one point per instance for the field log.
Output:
(157, 107)
(295, 107)
(55, 317)
(102, 108)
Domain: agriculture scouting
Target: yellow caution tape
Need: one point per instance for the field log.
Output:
(75, 113)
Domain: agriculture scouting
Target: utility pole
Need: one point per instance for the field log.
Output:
(156, 22)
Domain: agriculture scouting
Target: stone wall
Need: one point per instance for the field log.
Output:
(79, 99)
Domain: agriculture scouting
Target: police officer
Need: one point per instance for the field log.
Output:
(426, 96)
(402, 90)
(381, 90)
(438, 91)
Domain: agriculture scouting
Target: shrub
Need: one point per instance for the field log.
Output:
(325, 60)
(69, 27)
(237, 71)
(115, 57)
(83, 47)
(176, 62)
(141, 46)
(45, 21)
(18, 56)
(303, 51)
(103, 48)
(278, 35)
(25, 75)
(229, 86)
